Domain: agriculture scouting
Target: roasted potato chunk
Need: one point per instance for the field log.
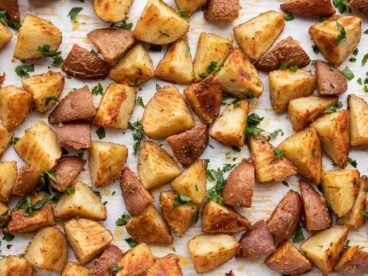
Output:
(5, 138)
(167, 265)
(268, 167)
(15, 105)
(211, 251)
(136, 197)
(190, 5)
(12, 9)
(87, 238)
(358, 116)
(258, 34)
(340, 189)
(222, 10)
(286, 52)
(333, 132)
(116, 106)
(76, 135)
(168, 26)
(360, 5)
(110, 257)
(302, 111)
(323, 248)
(327, 36)
(48, 249)
(112, 11)
(304, 150)
(8, 176)
(256, 242)
(330, 81)
(4, 214)
(229, 128)
(134, 68)
(27, 180)
(316, 214)
(155, 166)
(239, 77)
(309, 8)
(166, 114)
(5, 36)
(353, 261)
(149, 227)
(14, 265)
(72, 269)
(286, 85)
(45, 88)
(288, 260)
(36, 32)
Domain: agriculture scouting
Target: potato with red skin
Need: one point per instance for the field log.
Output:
(223, 10)
(12, 9)
(353, 261)
(110, 257)
(76, 135)
(330, 81)
(322, 8)
(360, 5)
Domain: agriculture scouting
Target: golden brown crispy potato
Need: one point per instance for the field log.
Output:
(76, 135)
(256, 242)
(48, 249)
(190, 6)
(112, 11)
(222, 10)
(353, 261)
(286, 52)
(149, 227)
(110, 257)
(167, 265)
(5, 138)
(211, 251)
(8, 176)
(288, 260)
(330, 81)
(324, 247)
(73, 269)
(322, 8)
(82, 64)
(317, 215)
(326, 35)
(12, 9)
(136, 197)
(358, 116)
(360, 5)
(286, 216)
(26, 181)
(4, 214)
(5, 36)
(258, 34)
(14, 265)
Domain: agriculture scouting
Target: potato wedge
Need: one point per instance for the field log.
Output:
(286, 52)
(5, 138)
(330, 81)
(116, 106)
(12, 9)
(222, 10)
(304, 150)
(288, 260)
(302, 111)
(5, 36)
(149, 227)
(168, 25)
(190, 6)
(229, 128)
(323, 248)
(112, 11)
(36, 32)
(4, 214)
(167, 265)
(360, 5)
(340, 189)
(239, 77)
(48, 249)
(317, 215)
(15, 105)
(14, 265)
(257, 35)
(109, 258)
(353, 261)
(322, 8)
(256, 242)
(27, 180)
(76, 135)
(73, 269)
(268, 167)
(134, 68)
(45, 88)
(333, 132)
(327, 36)
(211, 251)
(136, 197)
(8, 175)
(87, 238)
(166, 114)
(358, 116)
(286, 85)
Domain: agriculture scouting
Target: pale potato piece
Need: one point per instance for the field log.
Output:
(160, 24)
(87, 238)
(45, 88)
(27, 180)
(149, 227)
(257, 35)
(333, 132)
(222, 10)
(5, 138)
(358, 118)
(340, 189)
(211, 251)
(326, 36)
(324, 247)
(5, 35)
(15, 105)
(239, 77)
(302, 111)
(72, 269)
(48, 249)
(134, 68)
(229, 128)
(112, 11)
(304, 150)
(39, 147)
(190, 6)
(8, 175)
(353, 261)
(286, 85)
(177, 65)
(14, 265)
(167, 265)
(116, 106)
(166, 114)
(83, 202)
(211, 49)
(36, 32)
(322, 8)
(192, 182)
(106, 161)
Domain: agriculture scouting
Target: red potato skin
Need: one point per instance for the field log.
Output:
(223, 10)
(330, 81)
(110, 257)
(309, 7)
(360, 5)
(356, 264)
(75, 135)
(238, 190)
(12, 9)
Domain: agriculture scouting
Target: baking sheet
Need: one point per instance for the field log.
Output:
(266, 196)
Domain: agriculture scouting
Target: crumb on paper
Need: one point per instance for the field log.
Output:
(119, 232)
(184, 262)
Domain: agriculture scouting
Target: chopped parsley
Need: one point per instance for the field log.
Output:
(315, 49)
(70, 190)
(138, 134)
(364, 213)
(115, 268)
(46, 51)
(5, 21)
(213, 67)
(123, 25)
(349, 75)
(7, 236)
(218, 176)
(51, 98)
(252, 122)
(132, 243)
(365, 59)
(73, 13)
(140, 102)
(51, 175)
(275, 133)
(334, 108)
(341, 5)
(181, 199)
(183, 13)
(342, 33)
(278, 153)
(298, 235)
(24, 70)
(123, 219)
(101, 133)
(158, 87)
(195, 217)
(352, 162)
(288, 17)
(14, 140)
(98, 89)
